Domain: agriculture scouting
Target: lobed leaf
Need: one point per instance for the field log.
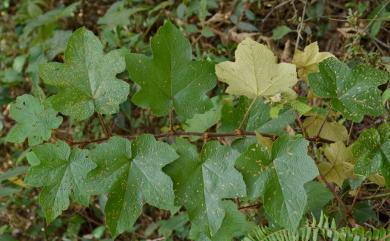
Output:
(279, 178)
(86, 80)
(339, 166)
(202, 180)
(307, 60)
(256, 72)
(353, 92)
(372, 152)
(170, 79)
(34, 121)
(62, 173)
(131, 172)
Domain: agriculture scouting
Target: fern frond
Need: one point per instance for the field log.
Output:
(324, 229)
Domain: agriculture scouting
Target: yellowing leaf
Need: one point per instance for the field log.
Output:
(256, 72)
(340, 166)
(332, 131)
(19, 182)
(307, 60)
(378, 180)
(263, 140)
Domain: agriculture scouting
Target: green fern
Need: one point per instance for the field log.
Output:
(323, 230)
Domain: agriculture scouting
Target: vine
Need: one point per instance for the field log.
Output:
(263, 161)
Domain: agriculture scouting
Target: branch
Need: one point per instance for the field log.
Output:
(237, 133)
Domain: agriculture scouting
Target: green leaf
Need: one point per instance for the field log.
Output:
(57, 44)
(170, 79)
(285, 197)
(111, 159)
(378, 16)
(176, 223)
(372, 152)
(259, 118)
(33, 121)
(253, 165)
(234, 225)
(18, 63)
(61, 172)
(386, 96)
(301, 107)
(317, 196)
(202, 180)
(132, 173)
(49, 17)
(280, 31)
(118, 15)
(8, 191)
(202, 122)
(353, 92)
(86, 80)
(11, 173)
(364, 211)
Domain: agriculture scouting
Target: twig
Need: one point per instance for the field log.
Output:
(272, 10)
(355, 198)
(348, 211)
(299, 122)
(376, 15)
(376, 196)
(257, 205)
(86, 216)
(299, 30)
(349, 133)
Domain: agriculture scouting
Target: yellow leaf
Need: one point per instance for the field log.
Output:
(339, 166)
(256, 72)
(332, 131)
(307, 60)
